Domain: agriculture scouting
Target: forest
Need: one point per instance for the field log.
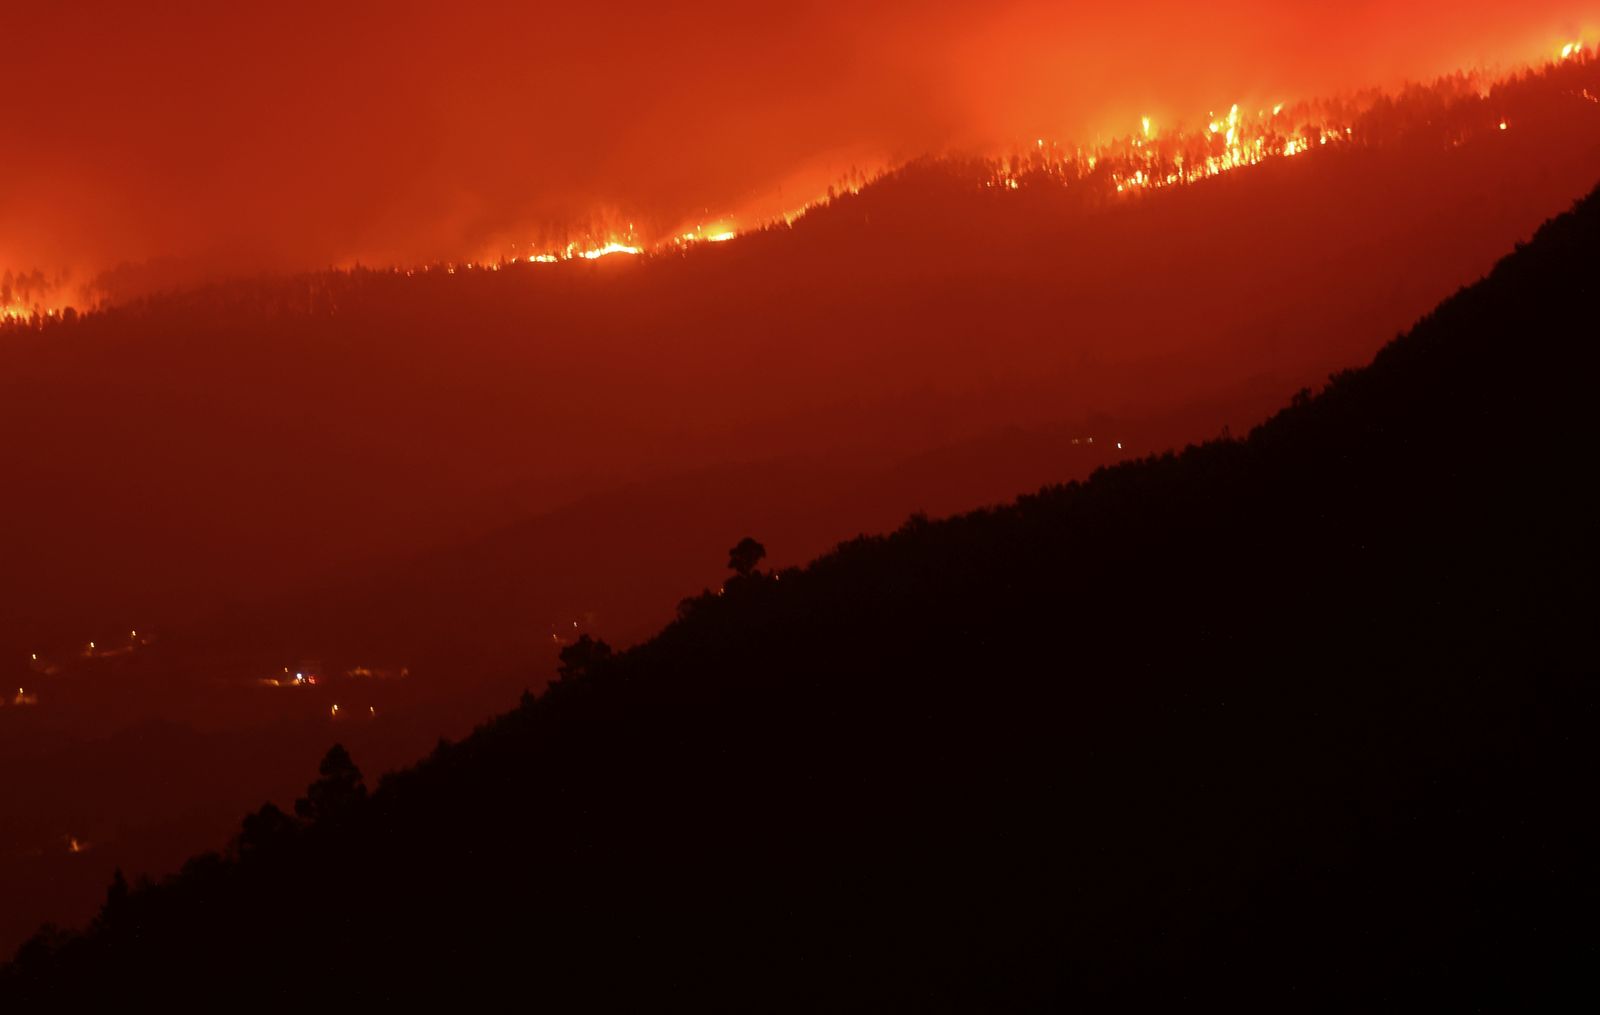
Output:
(1295, 720)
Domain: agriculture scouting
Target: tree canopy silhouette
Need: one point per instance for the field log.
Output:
(337, 791)
(744, 557)
(582, 656)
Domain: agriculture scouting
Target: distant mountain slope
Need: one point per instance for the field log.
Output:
(1301, 721)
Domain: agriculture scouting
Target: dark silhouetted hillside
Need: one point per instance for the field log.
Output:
(1300, 721)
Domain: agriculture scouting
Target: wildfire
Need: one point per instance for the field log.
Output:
(607, 250)
(34, 298)
(22, 312)
(1151, 156)
(628, 243)
(1155, 158)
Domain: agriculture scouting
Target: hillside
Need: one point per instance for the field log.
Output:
(439, 473)
(1301, 720)
(357, 416)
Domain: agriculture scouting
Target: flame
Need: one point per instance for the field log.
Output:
(1154, 158)
(627, 242)
(36, 299)
(606, 251)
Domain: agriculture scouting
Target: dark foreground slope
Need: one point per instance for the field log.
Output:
(1302, 720)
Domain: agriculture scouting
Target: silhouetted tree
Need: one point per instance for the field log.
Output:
(580, 658)
(744, 557)
(42, 946)
(337, 790)
(116, 898)
(687, 606)
(266, 829)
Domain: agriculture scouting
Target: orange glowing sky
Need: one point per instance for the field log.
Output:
(237, 136)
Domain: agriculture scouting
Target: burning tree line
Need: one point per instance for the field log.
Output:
(1445, 113)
